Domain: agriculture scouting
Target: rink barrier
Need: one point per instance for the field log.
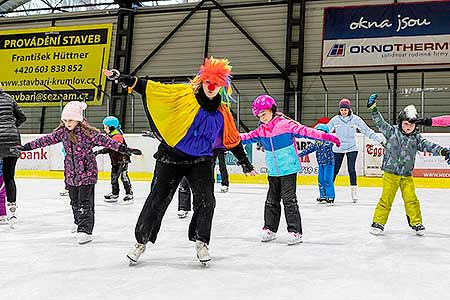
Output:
(48, 162)
(363, 181)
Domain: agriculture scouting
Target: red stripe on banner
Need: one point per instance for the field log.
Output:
(432, 173)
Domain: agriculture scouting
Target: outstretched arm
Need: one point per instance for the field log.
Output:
(300, 130)
(384, 127)
(250, 137)
(442, 121)
(107, 142)
(127, 81)
(44, 141)
(310, 149)
(239, 152)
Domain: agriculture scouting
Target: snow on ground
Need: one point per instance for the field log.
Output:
(338, 259)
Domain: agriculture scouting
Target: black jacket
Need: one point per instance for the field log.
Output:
(11, 117)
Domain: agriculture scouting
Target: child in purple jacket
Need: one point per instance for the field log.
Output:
(278, 134)
(80, 166)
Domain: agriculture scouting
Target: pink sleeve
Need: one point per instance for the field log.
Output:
(250, 137)
(441, 121)
(304, 131)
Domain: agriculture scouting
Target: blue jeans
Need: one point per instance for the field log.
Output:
(351, 162)
(326, 184)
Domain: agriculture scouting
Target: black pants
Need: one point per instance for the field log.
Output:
(222, 167)
(184, 195)
(282, 188)
(82, 201)
(9, 169)
(120, 171)
(166, 179)
(351, 165)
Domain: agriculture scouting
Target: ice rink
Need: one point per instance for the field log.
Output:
(338, 259)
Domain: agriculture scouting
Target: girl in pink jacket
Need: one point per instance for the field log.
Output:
(278, 134)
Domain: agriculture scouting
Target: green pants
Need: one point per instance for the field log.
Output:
(391, 183)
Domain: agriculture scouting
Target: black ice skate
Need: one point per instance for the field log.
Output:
(111, 198)
(321, 200)
(128, 199)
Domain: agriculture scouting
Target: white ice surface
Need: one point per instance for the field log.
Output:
(338, 259)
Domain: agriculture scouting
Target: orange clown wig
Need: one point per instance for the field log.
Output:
(216, 72)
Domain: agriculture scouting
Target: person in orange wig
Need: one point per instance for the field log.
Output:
(190, 120)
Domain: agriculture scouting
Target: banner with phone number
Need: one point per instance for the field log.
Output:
(47, 66)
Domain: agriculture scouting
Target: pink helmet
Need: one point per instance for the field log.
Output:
(261, 103)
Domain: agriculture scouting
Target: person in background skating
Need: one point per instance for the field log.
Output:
(119, 162)
(225, 183)
(3, 216)
(190, 121)
(184, 198)
(402, 143)
(346, 123)
(80, 166)
(325, 160)
(278, 136)
(11, 118)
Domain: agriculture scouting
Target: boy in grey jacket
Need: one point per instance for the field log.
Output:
(402, 144)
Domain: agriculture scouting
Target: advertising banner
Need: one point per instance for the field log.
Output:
(47, 66)
(368, 163)
(426, 165)
(385, 35)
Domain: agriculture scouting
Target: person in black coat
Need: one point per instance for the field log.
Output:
(11, 117)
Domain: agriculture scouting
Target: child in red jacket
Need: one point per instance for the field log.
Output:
(119, 162)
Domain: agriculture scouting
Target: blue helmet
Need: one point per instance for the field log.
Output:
(322, 127)
(111, 122)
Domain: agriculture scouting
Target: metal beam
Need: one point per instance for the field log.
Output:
(208, 28)
(164, 41)
(249, 37)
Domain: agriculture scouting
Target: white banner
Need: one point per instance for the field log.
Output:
(368, 163)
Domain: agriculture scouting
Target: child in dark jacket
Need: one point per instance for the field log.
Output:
(80, 166)
(402, 143)
(325, 160)
(119, 162)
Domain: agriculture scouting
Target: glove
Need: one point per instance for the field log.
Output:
(247, 167)
(114, 76)
(424, 121)
(371, 102)
(446, 152)
(133, 151)
(334, 139)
